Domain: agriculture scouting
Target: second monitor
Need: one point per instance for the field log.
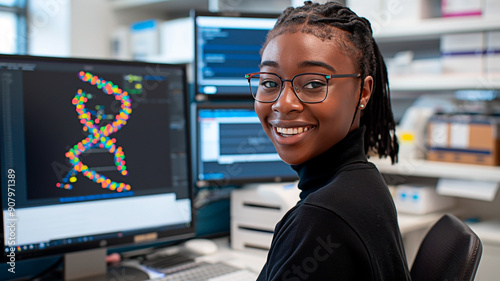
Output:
(227, 48)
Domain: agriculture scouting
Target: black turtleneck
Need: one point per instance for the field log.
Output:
(318, 171)
(345, 225)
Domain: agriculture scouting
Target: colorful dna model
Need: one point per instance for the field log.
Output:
(98, 136)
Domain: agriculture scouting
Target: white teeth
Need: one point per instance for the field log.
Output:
(292, 131)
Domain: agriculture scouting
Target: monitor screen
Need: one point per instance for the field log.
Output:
(94, 153)
(234, 149)
(227, 48)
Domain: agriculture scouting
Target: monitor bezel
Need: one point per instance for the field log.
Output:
(133, 240)
(201, 183)
(194, 14)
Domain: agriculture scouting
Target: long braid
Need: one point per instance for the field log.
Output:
(323, 21)
(378, 118)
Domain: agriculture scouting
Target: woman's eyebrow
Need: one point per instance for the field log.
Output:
(317, 63)
(301, 64)
(268, 63)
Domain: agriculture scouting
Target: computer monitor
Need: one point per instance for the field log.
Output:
(233, 149)
(94, 154)
(226, 48)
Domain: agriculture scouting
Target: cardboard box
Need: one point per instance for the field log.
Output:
(464, 139)
(462, 53)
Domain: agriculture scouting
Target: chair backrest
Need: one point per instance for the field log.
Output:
(449, 251)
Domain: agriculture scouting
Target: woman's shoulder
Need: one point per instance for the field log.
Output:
(313, 220)
(353, 184)
(356, 194)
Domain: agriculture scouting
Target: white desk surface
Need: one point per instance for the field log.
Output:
(250, 259)
(409, 223)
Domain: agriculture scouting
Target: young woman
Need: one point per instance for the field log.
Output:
(322, 97)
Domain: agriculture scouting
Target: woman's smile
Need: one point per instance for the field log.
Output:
(288, 133)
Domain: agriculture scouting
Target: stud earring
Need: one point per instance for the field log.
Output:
(361, 106)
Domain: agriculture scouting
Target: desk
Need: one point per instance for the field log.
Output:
(251, 259)
(413, 228)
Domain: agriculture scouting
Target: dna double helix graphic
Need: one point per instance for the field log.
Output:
(98, 136)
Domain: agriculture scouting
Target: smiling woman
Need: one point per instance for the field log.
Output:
(322, 98)
(329, 119)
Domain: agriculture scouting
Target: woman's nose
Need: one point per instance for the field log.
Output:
(288, 100)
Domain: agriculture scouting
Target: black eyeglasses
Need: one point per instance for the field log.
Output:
(308, 87)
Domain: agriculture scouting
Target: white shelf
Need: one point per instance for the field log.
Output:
(125, 4)
(424, 168)
(160, 5)
(488, 231)
(459, 81)
(433, 28)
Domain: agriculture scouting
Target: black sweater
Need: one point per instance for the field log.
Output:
(345, 225)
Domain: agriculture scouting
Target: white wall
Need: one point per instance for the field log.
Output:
(76, 28)
(48, 27)
(92, 23)
(84, 28)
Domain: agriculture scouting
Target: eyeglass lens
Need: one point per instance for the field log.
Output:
(307, 87)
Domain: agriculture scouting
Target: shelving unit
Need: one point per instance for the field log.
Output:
(430, 30)
(443, 82)
(425, 168)
(435, 27)
(396, 32)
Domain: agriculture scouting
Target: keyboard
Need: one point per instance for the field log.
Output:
(204, 271)
(239, 275)
(165, 262)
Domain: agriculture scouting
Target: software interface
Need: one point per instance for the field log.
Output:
(233, 148)
(227, 48)
(91, 151)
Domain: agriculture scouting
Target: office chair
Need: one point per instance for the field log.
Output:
(449, 251)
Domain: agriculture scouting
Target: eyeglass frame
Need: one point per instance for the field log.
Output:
(327, 77)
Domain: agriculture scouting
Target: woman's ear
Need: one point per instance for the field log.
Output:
(366, 92)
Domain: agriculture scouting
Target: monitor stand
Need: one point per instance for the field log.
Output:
(90, 265)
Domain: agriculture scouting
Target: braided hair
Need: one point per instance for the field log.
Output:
(333, 20)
